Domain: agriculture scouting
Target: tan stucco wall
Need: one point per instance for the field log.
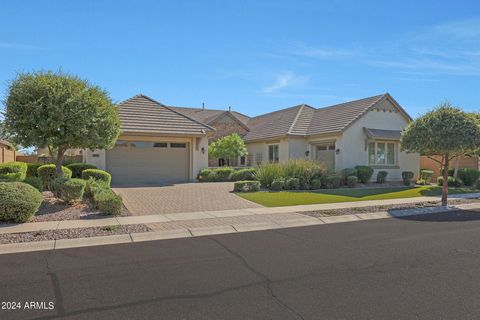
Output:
(262, 147)
(198, 160)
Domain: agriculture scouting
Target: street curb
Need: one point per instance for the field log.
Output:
(301, 221)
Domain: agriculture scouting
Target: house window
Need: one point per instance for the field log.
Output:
(178, 145)
(160, 145)
(242, 160)
(273, 153)
(382, 153)
(120, 143)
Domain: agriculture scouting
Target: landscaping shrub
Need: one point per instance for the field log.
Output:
(277, 185)
(468, 175)
(304, 170)
(13, 171)
(69, 190)
(203, 174)
(477, 184)
(97, 175)
(243, 174)
(426, 175)
(292, 183)
(32, 169)
(47, 174)
(352, 181)
(347, 172)
(35, 182)
(223, 173)
(382, 176)
(407, 177)
(364, 173)
(77, 168)
(246, 186)
(108, 202)
(93, 187)
(18, 201)
(333, 181)
(316, 184)
(268, 172)
(422, 182)
(452, 182)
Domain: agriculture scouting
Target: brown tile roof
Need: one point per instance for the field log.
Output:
(145, 115)
(383, 134)
(209, 115)
(6, 143)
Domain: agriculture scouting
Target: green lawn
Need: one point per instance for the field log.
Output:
(292, 198)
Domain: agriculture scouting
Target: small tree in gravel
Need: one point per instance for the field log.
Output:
(447, 132)
(59, 111)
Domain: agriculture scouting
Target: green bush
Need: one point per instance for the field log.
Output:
(97, 175)
(316, 184)
(32, 169)
(352, 181)
(268, 172)
(246, 186)
(452, 182)
(477, 184)
(468, 175)
(13, 171)
(108, 202)
(421, 182)
(69, 190)
(407, 177)
(333, 181)
(426, 175)
(243, 174)
(277, 185)
(304, 170)
(35, 182)
(223, 173)
(18, 201)
(364, 173)
(292, 184)
(382, 176)
(93, 187)
(77, 168)
(347, 172)
(47, 173)
(204, 174)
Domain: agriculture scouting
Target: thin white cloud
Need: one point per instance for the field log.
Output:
(468, 28)
(322, 52)
(18, 46)
(285, 80)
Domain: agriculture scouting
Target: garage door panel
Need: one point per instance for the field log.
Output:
(149, 165)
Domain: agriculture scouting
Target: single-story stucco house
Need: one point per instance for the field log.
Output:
(164, 144)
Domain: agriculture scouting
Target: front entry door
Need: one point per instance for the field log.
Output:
(325, 153)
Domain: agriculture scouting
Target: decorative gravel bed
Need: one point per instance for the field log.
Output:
(360, 210)
(71, 233)
(53, 209)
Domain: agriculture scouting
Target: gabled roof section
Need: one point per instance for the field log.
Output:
(144, 115)
(6, 143)
(208, 116)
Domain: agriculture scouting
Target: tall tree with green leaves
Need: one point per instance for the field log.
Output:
(447, 132)
(228, 147)
(59, 111)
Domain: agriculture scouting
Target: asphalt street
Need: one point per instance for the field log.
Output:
(423, 267)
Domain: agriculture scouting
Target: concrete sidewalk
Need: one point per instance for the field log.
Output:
(211, 218)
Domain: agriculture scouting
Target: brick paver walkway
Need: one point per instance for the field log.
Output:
(185, 197)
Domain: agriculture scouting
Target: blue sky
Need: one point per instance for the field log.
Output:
(256, 56)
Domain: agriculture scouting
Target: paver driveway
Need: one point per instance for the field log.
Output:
(185, 197)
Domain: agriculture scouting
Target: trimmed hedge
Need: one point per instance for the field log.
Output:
(364, 173)
(78, 167)
(468, 175)
(97, 174)
(347, 172)
(277, 185)
(108, 202)
(407, 177)
(421, 182)
(477, 184)
(382, 176)
(32, 169)
(452, 182)
(13, 171)
(246, 186)
(243, 174)
(316, 184)
(35, 182)
(48, 172)
(333, 181)
(18, 201)
(426, 175)
(292, 184)
(352, 181)
(69, 190)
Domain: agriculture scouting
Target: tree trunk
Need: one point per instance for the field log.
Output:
(457, 163)
(445, 180)
(59, 162)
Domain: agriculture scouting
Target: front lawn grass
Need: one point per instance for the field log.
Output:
(293, 198)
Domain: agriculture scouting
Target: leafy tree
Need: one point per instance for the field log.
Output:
(59, 111)
(228, 147)
(446, 132)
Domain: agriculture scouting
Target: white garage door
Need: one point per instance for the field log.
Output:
(143, 163)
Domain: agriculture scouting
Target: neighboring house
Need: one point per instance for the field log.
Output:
(7, 151)
(462, 162)
(360, 132)
(160, 143)
(157, 145)
(44, 152)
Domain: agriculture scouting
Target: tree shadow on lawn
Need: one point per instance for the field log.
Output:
(451, 216)
(361, 192)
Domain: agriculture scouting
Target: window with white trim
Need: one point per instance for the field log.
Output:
(382, 153)
(273, 153)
